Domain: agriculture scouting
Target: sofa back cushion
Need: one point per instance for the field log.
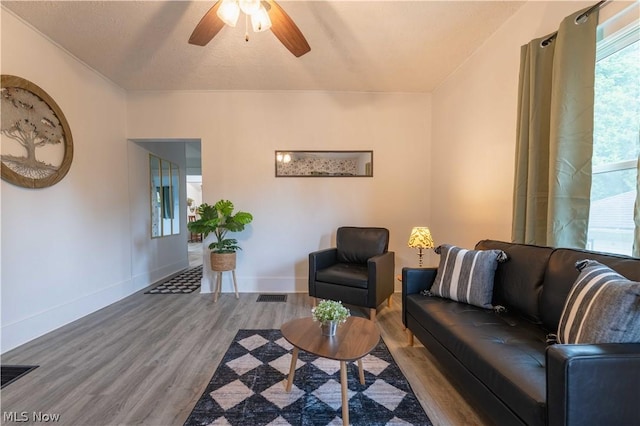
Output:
(518, 282)
(562, 273)
(357, 245)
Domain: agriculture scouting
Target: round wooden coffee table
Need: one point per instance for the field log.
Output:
(353, 340)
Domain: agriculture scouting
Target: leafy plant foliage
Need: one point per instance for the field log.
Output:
(220, 219)
(329, 310)
(616, 118)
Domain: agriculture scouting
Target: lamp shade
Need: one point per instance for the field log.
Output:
(420, 238)
(229, 12)
(249, 6)
(260, 20)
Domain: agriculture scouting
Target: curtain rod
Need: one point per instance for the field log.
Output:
(579, 19)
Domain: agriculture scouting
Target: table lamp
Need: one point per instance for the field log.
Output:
(420, 238)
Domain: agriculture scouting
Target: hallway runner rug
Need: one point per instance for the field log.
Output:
(185, 282)
(248, 388)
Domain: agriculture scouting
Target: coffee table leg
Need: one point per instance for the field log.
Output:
(361, 371)
(345, 399)
(292, 369)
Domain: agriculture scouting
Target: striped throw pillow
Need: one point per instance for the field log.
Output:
(602, 307)
(466, 275)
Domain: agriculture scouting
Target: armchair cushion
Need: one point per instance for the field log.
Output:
(349, 274)
(357, 245)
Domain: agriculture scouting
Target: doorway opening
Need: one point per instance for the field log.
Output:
(193, 154)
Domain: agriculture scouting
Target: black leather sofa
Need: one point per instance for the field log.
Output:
(502, 361)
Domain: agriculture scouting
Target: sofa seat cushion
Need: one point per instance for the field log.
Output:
(349, 274)
(506, 353)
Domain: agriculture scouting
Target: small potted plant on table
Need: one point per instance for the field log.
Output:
(330, 314)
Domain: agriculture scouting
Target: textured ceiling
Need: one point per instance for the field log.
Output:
(378, 46)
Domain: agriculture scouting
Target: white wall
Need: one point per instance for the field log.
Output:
(293, 216)
(474, 131)
(66, 249)
(154, 258)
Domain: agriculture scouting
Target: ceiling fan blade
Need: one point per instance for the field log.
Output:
(208, 27)
(287, 31)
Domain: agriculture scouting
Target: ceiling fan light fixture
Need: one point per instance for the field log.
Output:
(249, 7)
(229, 12)
(260, 20)
(269, 16)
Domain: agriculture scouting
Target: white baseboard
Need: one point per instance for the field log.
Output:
(147, 278)
(27, 329)
(255, 284)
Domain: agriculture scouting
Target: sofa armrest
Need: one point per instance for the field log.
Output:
(319, 260)
(414, 280)
(381, 267)
(593, 384)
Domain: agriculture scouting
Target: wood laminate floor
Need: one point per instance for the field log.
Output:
(146, 360)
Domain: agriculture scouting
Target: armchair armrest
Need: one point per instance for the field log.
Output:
(414, 280)
(593, 384)
(319, 260)
(382, 268)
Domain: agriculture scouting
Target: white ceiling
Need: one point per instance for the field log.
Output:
(359, 45)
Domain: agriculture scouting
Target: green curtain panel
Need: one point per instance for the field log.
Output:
(636, 213)
(555, 136)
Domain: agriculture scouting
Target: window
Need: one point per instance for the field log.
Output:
(616, 142)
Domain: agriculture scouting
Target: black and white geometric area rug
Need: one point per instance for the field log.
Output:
(186, 282)
(248, 388)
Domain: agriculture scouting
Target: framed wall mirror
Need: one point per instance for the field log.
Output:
(324, 163)
(164, 179)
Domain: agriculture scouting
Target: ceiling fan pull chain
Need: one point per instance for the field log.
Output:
(246, 28)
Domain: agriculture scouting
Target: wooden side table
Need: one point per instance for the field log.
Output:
(353, 340)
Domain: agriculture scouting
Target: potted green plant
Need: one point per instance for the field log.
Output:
(330, 314)
(220, 219)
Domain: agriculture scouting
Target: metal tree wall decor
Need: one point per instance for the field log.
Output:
(37, 147)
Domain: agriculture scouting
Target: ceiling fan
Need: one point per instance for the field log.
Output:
(266, 14)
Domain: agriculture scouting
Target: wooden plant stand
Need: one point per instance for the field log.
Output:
(223, 262)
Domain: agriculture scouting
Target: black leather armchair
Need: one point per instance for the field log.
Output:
(359, 271)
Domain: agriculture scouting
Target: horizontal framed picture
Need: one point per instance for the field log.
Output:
(324, 163)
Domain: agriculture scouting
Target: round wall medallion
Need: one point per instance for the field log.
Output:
(37, 147)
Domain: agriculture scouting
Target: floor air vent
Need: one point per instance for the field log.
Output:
(272, 298)
(11, 373)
